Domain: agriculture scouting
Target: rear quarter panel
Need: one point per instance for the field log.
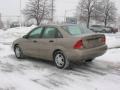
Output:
(66, 45)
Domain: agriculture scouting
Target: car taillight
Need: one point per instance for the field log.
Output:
(78, 45)
(103, 40)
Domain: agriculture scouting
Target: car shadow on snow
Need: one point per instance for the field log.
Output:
(39, 63)
(95, 67)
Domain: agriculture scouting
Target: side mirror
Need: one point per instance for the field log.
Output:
(25, 36)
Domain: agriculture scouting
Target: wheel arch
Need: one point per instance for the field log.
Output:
(55, 52)
(15, 46)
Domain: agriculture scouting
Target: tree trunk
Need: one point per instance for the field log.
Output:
(38, 22)
(88, 21)
(105, 22)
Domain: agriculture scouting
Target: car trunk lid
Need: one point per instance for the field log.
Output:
(93, 40)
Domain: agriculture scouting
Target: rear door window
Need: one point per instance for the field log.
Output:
(51, 32)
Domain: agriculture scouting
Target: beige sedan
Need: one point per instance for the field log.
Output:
(61, 44)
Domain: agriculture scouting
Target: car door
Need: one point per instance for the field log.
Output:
(49, 37)
(32, 43)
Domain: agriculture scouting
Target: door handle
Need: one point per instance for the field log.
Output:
(35, 41)
(51, 41)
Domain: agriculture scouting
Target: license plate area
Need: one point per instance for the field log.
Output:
(91, 43)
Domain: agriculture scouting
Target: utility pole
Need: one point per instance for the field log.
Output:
(20, 21)
(52, 11)
(65, 16)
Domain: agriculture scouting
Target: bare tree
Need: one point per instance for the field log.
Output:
(85, 9)
(105, 12)
(38, 10)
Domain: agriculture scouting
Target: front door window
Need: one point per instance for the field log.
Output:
(36, 33)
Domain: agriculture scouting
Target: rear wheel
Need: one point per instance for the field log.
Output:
(18, 52)
(60, 60)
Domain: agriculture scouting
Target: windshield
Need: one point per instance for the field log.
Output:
(76, 30)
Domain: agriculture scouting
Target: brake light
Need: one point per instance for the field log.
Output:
(78, 45)
(103, 40)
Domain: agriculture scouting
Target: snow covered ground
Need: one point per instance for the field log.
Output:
(113, 40)
(31, 74)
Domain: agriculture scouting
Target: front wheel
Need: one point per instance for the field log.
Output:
(60, 60)
(18, 52)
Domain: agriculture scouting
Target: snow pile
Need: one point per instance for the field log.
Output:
(1, 32)
(113, 40)
(13, 33)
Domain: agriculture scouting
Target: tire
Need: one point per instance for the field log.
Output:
(61, 60)
(89, 60)
(18, 52)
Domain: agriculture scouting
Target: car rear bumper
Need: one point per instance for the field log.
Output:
(81, 55)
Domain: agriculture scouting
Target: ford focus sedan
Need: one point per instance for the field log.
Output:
(61, 44)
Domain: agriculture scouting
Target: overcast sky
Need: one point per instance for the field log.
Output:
(11, 7)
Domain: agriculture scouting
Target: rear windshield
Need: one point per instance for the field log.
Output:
(76, 30)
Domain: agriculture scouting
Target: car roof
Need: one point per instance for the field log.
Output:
(57, 25)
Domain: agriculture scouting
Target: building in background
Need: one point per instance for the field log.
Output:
(71, 20)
